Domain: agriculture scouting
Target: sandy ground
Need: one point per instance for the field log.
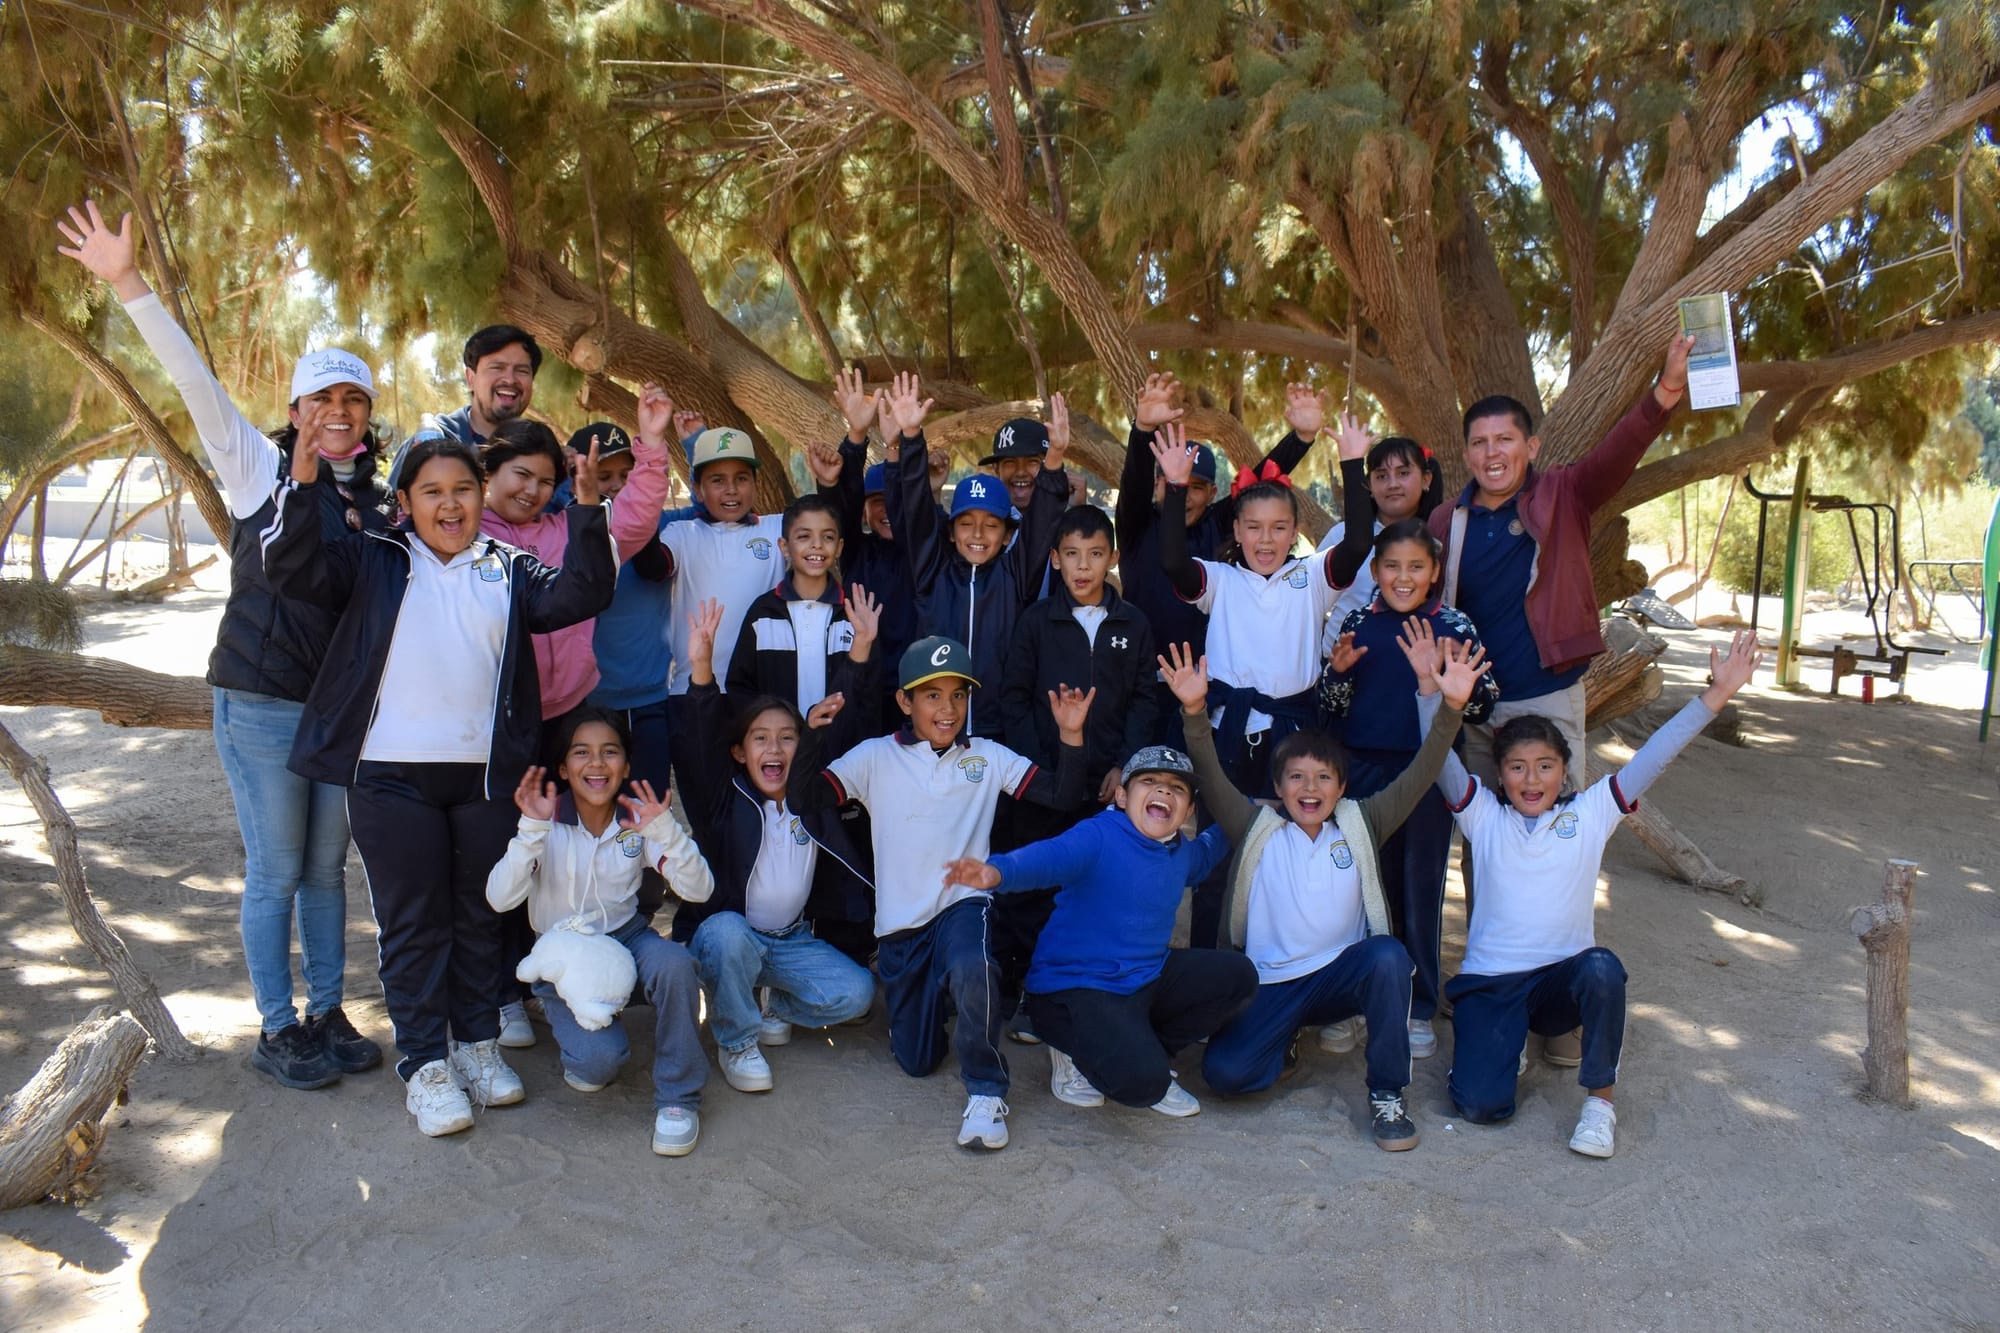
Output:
(1753, 1187)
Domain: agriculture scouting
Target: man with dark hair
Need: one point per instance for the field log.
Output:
(501, 362)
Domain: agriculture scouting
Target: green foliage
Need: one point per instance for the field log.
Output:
(37, 614)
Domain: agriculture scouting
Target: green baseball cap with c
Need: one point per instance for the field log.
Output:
(928, 659)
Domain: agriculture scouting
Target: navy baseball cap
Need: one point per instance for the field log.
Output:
(928, 659)
(1159, 759)
(875, 480)
(611, 439)
(982, 492)
(1023, 437)
(1204, 462)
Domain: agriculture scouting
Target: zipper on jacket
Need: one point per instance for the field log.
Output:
(971, 613)
(499, 677)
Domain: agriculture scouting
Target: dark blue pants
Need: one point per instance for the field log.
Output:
(1371, 978)
(1493, 1015)
(1413, 859)
(948, 960)
(1123, 1043)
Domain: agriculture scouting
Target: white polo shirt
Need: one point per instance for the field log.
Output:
(781, 880)
(1305, 903)
(731, 562)
(435, 702)
(1264, 632)
(1537, 877)
(926, 809)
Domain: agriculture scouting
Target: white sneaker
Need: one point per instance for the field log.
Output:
(984, 1124)
(1067, 1083)
(1521, 1065)
(1595, 1128)
(1423, 1041)
(516, 1032)
(580, 1085)
(745, 1070)
(437, 1101)
(675, 1128)
(484, 1075)
(772, 1031)
(1178, 1102)
(1340, 1038)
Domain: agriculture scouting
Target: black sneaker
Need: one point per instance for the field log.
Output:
(1393, 1130)
(349, 1050)
(295, 1058)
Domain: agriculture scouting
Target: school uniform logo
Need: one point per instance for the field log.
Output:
(759, 547)
(631, 844)
(1343, 855)
(1565, 825)
(974, 768)
(492, 567)
(799, 834)
(1297, 577)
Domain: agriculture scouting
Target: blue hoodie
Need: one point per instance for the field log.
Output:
(634, 636)
(1114, 915)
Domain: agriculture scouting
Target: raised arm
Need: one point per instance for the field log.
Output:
(297, 562)
(1599, 474)
(635, 510)
(1176, 459)
(1155, 408)
(1066, 789)
(516, 873)
(1728, 673)
(1187, 677)
(560, 597)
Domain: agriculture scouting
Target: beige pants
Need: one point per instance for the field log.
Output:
(1564, 708)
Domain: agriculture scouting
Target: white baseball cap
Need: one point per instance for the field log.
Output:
(719, 443)
(327, 367)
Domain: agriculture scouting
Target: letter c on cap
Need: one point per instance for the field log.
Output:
(943, 651)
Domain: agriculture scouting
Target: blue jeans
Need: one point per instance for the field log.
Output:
(667, 981)
(812, 983)
(294, 853)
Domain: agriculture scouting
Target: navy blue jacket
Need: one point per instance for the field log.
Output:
(1050, 648)
(362, 576)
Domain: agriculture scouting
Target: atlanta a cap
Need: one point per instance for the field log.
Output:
(611, 439)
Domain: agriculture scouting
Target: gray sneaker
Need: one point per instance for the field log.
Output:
(675, 1128)
(486, 1078)
(1178, 1102)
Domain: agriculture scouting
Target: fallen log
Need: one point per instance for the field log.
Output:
(1688, 862)
(50, 1130)
(122, 694)
(142, 997)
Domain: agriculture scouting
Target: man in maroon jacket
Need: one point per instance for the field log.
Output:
(1517, 555)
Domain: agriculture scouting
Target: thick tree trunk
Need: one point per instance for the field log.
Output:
(51, 1128)
(1884, 931)
(1624, 679)
(142, 997)
(125, 696)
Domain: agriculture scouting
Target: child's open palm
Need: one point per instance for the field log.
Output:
(1155, 407)
(1352, 438)
(1305, 410)
(971, 873)
(1461, 669)
(643, 807)
(1731, 671)
(1420, 645)
(1186, 676)
(907, 406)
(1171, 452)
(536, 796)
(1058, 433)
(1071, 707)
(864, 613)
(851, 396)
(702, 627)
(1345, 654)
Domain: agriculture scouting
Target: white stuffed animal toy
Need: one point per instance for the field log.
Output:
(593, 974)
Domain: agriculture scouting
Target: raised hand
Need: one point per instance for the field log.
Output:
(643, 807)
(1421, 647)
(1173, 453)
(1107, 790)
(1305, 411)
(973, 874)
(1070, 707)
(656, 414)
(825, 711)
(939, 463)
(907, 407)
(583, 476)
(688, 422)
(1731, 671)
(1345, 654)
(536, 797)
(1460, 670)
(854, 401)
(864, 613)
(1353, 439)
(1156, 407)
(1673, 381)
(702, 625)
(1058, 433)
(305, 446)
(110, 255)
(825, 464)
(1186, 676)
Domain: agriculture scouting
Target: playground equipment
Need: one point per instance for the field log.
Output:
(1879, 572)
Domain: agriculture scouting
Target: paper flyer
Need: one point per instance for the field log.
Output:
(1712, 380)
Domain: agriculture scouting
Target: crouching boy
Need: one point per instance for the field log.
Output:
(1113, 1002)
(931, 792)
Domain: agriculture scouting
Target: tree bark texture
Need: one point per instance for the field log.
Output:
(1688, 862)
(124, 695)
(1884, 931)
(50, 1129)
(142, 997)
(1623, 679)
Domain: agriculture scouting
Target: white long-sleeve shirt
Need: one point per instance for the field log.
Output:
(562, 870)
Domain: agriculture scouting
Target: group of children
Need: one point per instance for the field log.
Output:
(497, 691)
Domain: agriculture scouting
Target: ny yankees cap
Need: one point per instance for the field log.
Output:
(875, 481)
(327, 367)
(611, 439)
(719, 443)
(928, 659)
(1159, 759)
(982, 492)
(1023, 437)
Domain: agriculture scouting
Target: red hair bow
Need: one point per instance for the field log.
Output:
(1246, 478)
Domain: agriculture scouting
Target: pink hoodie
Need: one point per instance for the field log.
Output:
(565, 659)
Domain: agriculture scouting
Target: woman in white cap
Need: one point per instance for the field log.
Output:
(266, 654)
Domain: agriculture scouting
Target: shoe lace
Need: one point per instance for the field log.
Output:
(990, 1108)
(1387, 1106)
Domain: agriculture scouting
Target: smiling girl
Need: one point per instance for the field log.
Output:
(427, 703)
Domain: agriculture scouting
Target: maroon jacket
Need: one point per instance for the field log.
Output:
(1555, 507)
